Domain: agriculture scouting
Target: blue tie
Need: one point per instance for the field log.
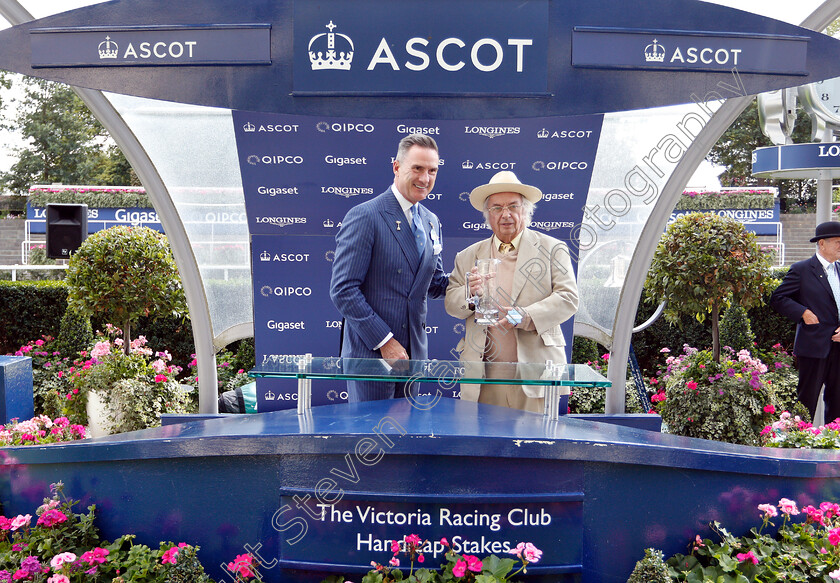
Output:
(419, 233)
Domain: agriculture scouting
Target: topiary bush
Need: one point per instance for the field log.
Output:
(123, 273)
(735, 329)
(75, 333)
(651, 569)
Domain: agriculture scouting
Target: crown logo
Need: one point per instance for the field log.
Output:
(654, 52)
(108, 49)
(249, 127)
(467, 165)
(328, 223)
(323, 53)
(269, 396)
(543, 133)
(265, 256)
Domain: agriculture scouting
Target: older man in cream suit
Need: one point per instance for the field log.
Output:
(534, 285)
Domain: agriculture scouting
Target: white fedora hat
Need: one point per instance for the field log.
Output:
(504, 181)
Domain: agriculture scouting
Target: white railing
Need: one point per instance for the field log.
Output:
(15, 268)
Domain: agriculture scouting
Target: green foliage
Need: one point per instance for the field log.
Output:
(29, 309)
(114, 198)
(38, 256)
(703, 263)
(735, 330)
(583, 350)
(75, 333)
(138, 403)
(593, 400)
(722, 401)
(58, 529)
(651, 569)
(712, 200)
(734, 151)
(123, 273)
(797, 553)
(64, 141)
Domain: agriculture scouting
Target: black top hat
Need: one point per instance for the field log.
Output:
(826, 230)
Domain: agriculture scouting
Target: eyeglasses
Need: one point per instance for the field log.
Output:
(498, 209)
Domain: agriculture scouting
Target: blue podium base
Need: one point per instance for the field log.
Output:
(327, 491)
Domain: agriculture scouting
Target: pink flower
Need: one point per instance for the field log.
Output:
(444, 542)
(160, 378)
(395, 547)
(51, 517)
(171, 555)
(95, 556)
(768, 509)
(58, 560)
(665, 350)
(834, 536)
(835, 574)
(58, 579)
(460, 568)
(394, 562)
(413, 539)
(788, 507)
(692, 385)
(21, 520)
(749, 556)
(473, 563)
(420, 559)
(532, 554)
(769, 409)
(243, 564)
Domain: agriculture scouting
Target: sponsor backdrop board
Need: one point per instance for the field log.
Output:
(758, 221)
(301, 174)
(99, 218)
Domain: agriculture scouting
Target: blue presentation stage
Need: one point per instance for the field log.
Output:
(591, 495)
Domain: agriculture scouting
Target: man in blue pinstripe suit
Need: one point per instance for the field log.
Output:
(387, 262)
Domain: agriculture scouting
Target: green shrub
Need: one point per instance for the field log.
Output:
(75, 333)
(29, 310)
(735, 330)
(123, 273)
(651, 569)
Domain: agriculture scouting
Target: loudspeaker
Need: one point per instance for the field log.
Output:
(66, 229)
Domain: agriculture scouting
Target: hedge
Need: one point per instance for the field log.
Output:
(30, 309)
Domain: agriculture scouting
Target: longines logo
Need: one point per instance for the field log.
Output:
(324, 54)
(281, 221)
(564, 165)
(552, 225)
(492, 132)
(360, 128)
(256, 159)
(285, 257)
(272, 128)
(470, 165)
(346, 191)
(563, 134)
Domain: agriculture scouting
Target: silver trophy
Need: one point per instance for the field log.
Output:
(486, 305)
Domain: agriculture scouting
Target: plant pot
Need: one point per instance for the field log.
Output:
(100, 415)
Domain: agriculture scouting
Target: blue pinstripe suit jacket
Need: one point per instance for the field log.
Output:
(379, 281)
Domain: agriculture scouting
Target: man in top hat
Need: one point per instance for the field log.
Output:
(534, 284)
(810, 296)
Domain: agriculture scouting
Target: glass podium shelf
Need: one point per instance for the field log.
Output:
(557, 378)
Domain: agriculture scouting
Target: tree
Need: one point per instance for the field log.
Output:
(703, 263)
(64, 142)
(734, 151)
(123, 273)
